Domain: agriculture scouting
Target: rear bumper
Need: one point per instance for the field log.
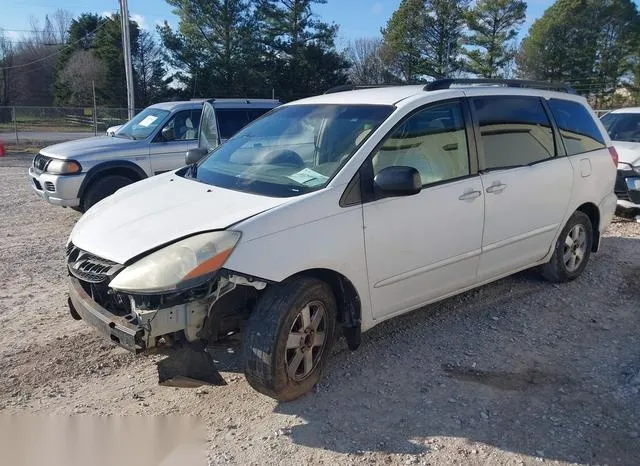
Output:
(59, 190)
(111, 326)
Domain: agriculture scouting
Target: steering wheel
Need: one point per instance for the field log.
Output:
(283, 157)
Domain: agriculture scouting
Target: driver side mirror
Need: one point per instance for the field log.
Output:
(168, 134)
(194, 156)
(397, 181)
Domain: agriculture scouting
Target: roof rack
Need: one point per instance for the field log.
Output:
(353, 87)
(521, 83)
(241, 101)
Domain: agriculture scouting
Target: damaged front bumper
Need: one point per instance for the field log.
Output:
(627, 187)
(141, 329)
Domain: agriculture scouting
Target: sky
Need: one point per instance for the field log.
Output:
(356, 18)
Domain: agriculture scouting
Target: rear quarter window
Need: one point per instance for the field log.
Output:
(578, 129)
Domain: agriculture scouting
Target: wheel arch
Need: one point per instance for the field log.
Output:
(591, 210)
(347, 298)
(114, 167)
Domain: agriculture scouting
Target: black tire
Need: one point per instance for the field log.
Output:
(557, 270)
(268, 363)
(103, 187)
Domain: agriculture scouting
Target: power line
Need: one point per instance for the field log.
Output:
(59, 51)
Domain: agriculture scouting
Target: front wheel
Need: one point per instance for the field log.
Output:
(288, 338)
(102, 188)
(572, 250)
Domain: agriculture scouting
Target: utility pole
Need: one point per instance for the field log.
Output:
(126, 49)
(95, 109)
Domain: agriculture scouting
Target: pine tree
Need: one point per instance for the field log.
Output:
(493, 26)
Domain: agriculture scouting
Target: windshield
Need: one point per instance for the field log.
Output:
(622, 126)
(292, 151)
(143, 124)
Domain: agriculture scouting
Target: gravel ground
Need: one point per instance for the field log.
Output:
(516, 372)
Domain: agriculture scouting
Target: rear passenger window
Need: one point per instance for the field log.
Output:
(433, 141)
(514, 131)
(230, 121)
(578, 130)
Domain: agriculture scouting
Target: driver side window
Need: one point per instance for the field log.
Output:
(185, 125)
(433, 141)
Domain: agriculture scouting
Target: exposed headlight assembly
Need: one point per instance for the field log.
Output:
(181, 265)
(63, 167)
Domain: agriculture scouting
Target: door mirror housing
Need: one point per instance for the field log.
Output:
(168, 134)
(397, 181)
(194, 156)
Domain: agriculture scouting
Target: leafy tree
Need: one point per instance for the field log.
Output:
(424, 38)
(493, 25)
(107, 46)
(149, 71)
(588, 43)
(80, 36)
(299, 48)
(562, 44)
(215, 46)
(404, 42)
(444, 23)
(6, 71)
(619, 27)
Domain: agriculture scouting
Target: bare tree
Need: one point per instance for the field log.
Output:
(61, 22)
(82, 69)
(41, 36)
(367, 65)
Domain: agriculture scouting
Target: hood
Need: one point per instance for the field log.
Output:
(160, 210)
(628, 152)
(87, 146)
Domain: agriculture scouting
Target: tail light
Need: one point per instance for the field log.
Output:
(614, 155)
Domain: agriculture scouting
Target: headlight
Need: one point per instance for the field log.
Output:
(636, 169)
(63, 167)
(187, 263)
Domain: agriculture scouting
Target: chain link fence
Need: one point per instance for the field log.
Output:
(19, 124)
(55, 124)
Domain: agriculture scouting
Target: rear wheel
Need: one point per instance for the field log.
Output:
(103, 187)
(289, 337)
(572, 250)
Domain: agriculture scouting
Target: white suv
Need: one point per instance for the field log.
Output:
(334, 213)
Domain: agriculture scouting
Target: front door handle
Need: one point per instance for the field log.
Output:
(470, 195)
(496, 188)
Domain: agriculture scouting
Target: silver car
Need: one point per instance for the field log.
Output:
(80, 173)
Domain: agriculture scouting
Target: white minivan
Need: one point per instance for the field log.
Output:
(334, 213)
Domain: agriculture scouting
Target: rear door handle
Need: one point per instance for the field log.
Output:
(470, 195)
(496, 188)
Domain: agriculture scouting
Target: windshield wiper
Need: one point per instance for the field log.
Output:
(192, 171)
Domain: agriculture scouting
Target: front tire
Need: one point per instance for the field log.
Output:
(102, 188)
(288, 338)
(572, 250)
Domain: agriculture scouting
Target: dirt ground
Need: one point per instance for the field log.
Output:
(516, 372)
